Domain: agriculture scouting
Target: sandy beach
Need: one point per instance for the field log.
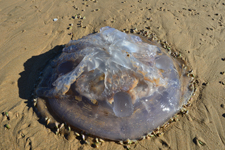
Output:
(30, 37)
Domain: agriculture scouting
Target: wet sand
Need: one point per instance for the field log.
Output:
(29, 37)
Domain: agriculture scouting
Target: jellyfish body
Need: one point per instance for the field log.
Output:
(113, 85)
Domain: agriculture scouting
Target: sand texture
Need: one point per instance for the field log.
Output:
(30, 37)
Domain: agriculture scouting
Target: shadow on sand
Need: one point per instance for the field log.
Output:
(32, 68)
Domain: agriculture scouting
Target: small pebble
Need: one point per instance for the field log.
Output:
(221, 82)
(55, 19)
(22, 135)
(201, 143)
(77, 134)
(95, 145)
(7, 115)
(7, 126)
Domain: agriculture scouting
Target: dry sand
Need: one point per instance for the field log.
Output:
(194, 28)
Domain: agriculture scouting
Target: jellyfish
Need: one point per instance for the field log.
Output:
(112, 85)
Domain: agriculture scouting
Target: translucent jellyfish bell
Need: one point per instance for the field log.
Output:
(113, 85)
(123, 106)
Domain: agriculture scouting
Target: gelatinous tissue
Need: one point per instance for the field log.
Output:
(113, 85)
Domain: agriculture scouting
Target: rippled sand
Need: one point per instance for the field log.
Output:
(29, 37)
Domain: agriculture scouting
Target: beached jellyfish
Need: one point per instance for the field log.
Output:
(112, 85)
